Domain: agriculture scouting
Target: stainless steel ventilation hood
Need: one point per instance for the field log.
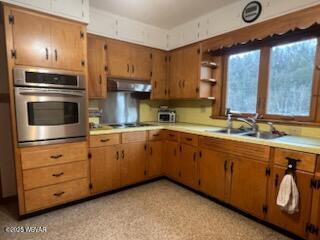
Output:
(115, 85)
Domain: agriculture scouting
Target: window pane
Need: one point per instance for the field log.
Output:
(291, 77)
(242, 83)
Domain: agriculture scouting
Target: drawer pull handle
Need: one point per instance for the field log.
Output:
(59, 194)
(122, 154)
(156, 135)
(56, 156)
(57, 174)
(189, 139)
(104, 140)
(225, 165)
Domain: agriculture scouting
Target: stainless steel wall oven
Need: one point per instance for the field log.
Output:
(50, 106)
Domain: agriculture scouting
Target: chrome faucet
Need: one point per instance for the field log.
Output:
(228, 114)
(251, 121)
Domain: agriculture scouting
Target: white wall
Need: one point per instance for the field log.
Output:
(229, 18)
(109, 25)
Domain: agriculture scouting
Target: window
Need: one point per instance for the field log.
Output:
(291, 78)
(242, 82)
(284, 71)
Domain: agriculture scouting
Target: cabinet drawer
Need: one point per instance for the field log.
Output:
(130, 137)
(40, 177)
(34, 157)
(307, 160)
(172, 135)
(104, 140)
(189, 139)
(155, 135)
(44, 197)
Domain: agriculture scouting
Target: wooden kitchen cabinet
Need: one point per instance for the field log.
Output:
(159, 75)
(97, 67)
(154, 158)
(295, 223)
(188, 165)
(249, 181)
(141, 63)
(213, 173)
(119, 58)
(185, 72)
(31, 35)
(68, 44)
(129, 61)
(133, 162)
(105, 168)
(44, 41)
(171, 159)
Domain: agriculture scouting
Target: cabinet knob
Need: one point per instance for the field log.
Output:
(56, 54)
(57, 174)
(59, 194)
(56, 156)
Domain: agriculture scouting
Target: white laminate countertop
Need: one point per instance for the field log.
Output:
(303, 144)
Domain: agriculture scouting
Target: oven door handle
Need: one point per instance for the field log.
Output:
(50, 92)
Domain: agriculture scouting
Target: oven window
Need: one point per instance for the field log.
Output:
(52, 113)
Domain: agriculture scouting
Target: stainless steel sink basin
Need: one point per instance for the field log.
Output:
(263, 135)
(230, 131)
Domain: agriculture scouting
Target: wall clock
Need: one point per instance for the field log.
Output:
(251, 11)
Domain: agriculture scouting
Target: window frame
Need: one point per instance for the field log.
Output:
(263, 80)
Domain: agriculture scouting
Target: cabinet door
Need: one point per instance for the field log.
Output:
(295, 223)
(105, 168)
(31, 39)
(71, 8)
(248, 185)
(171, 159)
(188, 165)
(213, 170)
(155, 159)
(141, 63)
(119, 59)
(68, 45)
(191, 71)
(159, 75)
(97, 75)
(176, 74)
(133, 163)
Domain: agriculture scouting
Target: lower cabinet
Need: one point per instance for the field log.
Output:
(295, 223)
(154, 159)
(188, 165)
(105, 168)
(213, 173)
(133, 162)
(171, 159)
(249, 180)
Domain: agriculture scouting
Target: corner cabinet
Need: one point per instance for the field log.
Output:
(97, 67)
(42, 41)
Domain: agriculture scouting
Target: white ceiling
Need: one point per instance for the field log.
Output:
(161, 13)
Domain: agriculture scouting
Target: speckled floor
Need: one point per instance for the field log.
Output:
(159, 210)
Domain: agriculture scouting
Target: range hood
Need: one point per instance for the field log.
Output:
(117, 85)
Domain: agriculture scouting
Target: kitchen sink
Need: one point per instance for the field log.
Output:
(263, 135)
(230, 131)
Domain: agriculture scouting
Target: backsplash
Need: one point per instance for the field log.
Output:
(199, 112)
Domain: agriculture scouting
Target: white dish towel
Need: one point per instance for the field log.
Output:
(288, 196)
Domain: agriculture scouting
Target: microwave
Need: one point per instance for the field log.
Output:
(167, 117)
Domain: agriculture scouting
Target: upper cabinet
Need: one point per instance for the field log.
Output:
(129, 61)
(159, 75)
(185, 72)
(97, 67)
(73, 9)
(43, 41)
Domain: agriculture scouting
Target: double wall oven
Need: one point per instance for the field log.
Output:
(50, 106)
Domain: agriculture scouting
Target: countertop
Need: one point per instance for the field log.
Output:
(303, 144)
